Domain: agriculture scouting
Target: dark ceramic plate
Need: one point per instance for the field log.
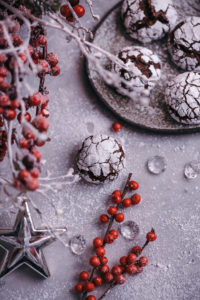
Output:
(110, 35)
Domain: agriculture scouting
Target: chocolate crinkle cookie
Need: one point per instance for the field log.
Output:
(100, 159)
(148, 20)
(184, 44)
(145, 70)
(182, 97)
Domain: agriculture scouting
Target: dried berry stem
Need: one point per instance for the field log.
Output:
(107, 290)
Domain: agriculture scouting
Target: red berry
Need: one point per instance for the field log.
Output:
(4, 100)
(37, 154)
(9, 114)
(143, 261)
(43, 65)
(45, 112)
(137, 250)
(91, 297)
(136, 198)
(79, 10)
(104, 218)
(116, 193)
(3, 71)
(65, 11)
(27, 133)
(55, 71)
(52, 59)
(24, 143)
(23, 174)
(32, 184)
(100, 251)
(103, 260)
(97, 242)
(4, 86)
(42, 40)
(44, 102)
(151, 236)
(35, 99)
(119, 217)
(133, 185)
(89, 286)
(27, 117)
(104, 269)
(108, 277)
(94, 261)
(120, 279)
(123, 260)
(116, 199)
(70, 19)
(3, 58)
(131, 258)
(79, 287)
(97, 281)
(15, 104)
(23, 57)
(84, 276)
(116, 270)
(74, 2)
(41, 123)
(131, 269)
(109, 238)
(35, 173)
(112, 210)
(117, 127)
(114, 233)
(126, 202)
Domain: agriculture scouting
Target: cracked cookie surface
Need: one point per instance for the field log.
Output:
(182, 97)
(100, 159)
(184, 44)
(148, 20)
(145, 69)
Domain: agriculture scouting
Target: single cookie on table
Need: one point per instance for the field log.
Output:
(100, 159)
(145, 70)
(184, 44)
(182, 97)
(148, 20)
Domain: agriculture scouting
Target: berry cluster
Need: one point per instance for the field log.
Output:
(131, 264)
(11, 107)
(66, 12)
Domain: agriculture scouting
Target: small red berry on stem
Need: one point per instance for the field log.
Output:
(84, 276)
(108, 277)
(137, 250)
(112, 210)
(143, 261)
(126, 202)
(104, 269)
(65, 11)
(123, 260)
(97, 242)
(79, 10)
(79, 287)
(104, 218)
(116, 193)
(98, 281)
(136, 198)
(151, 236)
(103, 260)
(116, 270)
(120, 279)
(131, 258)
(116, 199)
(133, 185)
(116, 127)
(114, 233)
(100, 252)
(9, 114)
(109, 238)
(89, 286)
(119, 217)
(35, 99)
(131, 269)
(94, 261)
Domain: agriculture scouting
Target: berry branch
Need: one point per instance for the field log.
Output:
(131, 264)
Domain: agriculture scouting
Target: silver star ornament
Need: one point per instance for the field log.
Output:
(23, 243)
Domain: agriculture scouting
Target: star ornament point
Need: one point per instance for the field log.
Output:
(23, 245)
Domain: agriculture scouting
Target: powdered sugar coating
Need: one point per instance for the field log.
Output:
(182, 96)
(184, 44)
(100, 159)
(145, 69)
(148, 20)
